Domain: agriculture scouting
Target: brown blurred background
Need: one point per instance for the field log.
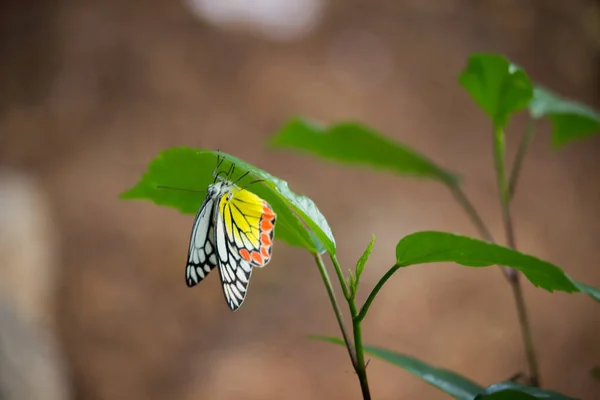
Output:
(93, 303)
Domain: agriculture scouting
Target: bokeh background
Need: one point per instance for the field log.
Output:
(93, 303)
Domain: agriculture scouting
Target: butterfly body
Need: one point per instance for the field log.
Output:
(234, 230)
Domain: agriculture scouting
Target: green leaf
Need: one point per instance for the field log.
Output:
(362, 261)
(447, 381)
(302, 205)
(353, 143)
(507, 394)
(352, 281)
(188, 168)
(500, 391)
(431, 246)
(497, 86)
(570, 120)
(360, 266)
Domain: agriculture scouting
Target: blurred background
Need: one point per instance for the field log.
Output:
(93, 303)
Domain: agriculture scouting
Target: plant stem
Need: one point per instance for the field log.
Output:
(365, 308)
(518, 164)
(472, 213)
(477, 221)
(335, 306)
(534, 374)
(359, 361)
(340, 275)
(361, 369)
(505, 194)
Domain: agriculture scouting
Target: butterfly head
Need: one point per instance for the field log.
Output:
(224, 182)
(223, 187)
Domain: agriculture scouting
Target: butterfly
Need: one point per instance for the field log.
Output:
(233, 230)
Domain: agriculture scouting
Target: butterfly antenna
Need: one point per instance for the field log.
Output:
(185, 190)
(219, 162)
(253, 182)
(219, 174)
(241, 177)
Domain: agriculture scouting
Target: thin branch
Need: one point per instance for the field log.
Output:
(361, 369)
(340, 275)
(365, 308)
(359, 365)
(505, 195)
(518, 163)
(472, 213)
(534, 373)
(477, 221)
(336, 308)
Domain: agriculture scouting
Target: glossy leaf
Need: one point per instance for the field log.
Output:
(431, 246)
(497, 86)
(188, 168)
(570, 120)
(353, 143)
(503, 390)
(447, 381)
(302, 205)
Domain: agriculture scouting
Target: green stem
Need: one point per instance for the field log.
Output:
(361, 369)
(505, 194)
(477, 221)
(340, 275)
(359, 361)
(472, 213)
(518, 164)
(365, 308)
(534, 374)
(335, 306)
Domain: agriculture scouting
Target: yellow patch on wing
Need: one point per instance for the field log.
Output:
(241, 215)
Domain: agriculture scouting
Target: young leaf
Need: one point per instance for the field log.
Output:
(352, 282)
(431, 246)
(570, 120)
(188, 168)
(353, 143)
(362, 261)
(497, 86)
(447, 381)
(360, 266)
(493, 392)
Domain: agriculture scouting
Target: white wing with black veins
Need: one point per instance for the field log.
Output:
(202, 257)
(235, 271)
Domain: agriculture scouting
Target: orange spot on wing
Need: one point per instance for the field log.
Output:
(245, 255)
(264, 251)
(266, 225)
(257, 258)
(265, 239)
(268, 216)
(267, 211)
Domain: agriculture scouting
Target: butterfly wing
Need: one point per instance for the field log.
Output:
(201, 255)
(253, 227)
(244, 235)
